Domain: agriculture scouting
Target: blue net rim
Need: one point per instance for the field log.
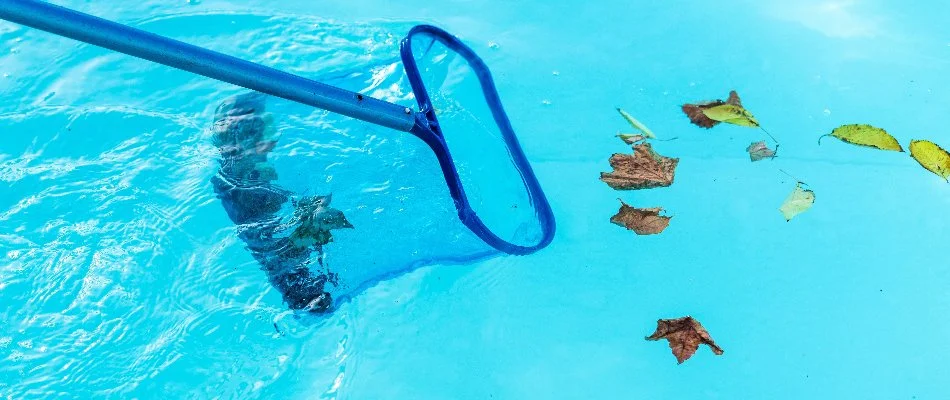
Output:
(427, 128)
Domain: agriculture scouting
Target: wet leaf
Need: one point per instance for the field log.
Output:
(636, 124)
(630, 138)
(731, 114)
(865, 135)
(685, 335)
(759, 151)
(698, 117)
(315, 219)
(799, 201)
(931, 156)
(644, 169)
(643, 221)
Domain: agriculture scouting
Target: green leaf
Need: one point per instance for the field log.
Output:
(931, 156)
(731, 114)
(636, 124)
(799, 201)
(865, 135)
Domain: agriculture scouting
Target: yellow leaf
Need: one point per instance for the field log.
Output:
(636, 124)
(799, 201)
(931, 156)
(865, 135)
(731, 114)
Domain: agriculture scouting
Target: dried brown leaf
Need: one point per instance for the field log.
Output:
(734, 99)
(759, 150)
(644, 169)
(643, 221)
(695, 111)
(696, 116)
(685, 335)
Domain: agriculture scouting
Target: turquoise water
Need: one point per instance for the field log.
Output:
(122, 277)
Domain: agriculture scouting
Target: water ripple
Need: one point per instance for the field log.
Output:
(121, 273)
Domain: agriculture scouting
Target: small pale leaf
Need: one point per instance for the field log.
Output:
(759, 151)
(631, 138)
(931, 156)
(636, 124)
(799, 201)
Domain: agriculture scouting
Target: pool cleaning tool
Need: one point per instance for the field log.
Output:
(498, 198)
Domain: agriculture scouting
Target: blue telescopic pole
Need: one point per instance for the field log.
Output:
(135, 42)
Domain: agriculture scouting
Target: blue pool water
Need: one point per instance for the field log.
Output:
(121, 276)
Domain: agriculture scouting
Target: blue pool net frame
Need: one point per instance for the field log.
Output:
(428, 129)
(423, 123)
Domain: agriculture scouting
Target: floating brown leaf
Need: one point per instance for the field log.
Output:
(644, 169)
(685, 335)
(695, 111)
(643, 221)
(759, 150)
(734, 99)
